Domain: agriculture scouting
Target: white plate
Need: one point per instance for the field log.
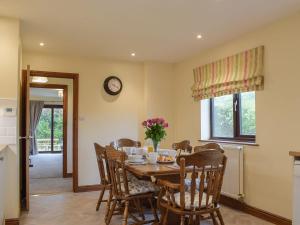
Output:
(136, 161)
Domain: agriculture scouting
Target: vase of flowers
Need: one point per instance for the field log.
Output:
(155, 130)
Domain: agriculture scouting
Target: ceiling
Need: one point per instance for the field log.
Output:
(156, 30)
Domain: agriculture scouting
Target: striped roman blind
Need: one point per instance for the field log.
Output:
(238, 73)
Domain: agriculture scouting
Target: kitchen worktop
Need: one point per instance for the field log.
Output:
(294, 154)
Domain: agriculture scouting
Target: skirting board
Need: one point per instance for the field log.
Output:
(96, 187)
(270, 217)
(12, 222)
(68, 175)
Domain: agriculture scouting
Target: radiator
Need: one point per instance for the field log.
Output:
(233, 181)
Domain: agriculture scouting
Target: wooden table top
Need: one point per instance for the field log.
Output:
(157, 169)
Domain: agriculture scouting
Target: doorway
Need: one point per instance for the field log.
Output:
(48, 156)
(52, 133)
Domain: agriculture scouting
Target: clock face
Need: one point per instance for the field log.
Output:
(113, 85)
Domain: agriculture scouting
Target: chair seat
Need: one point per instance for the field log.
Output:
(187, 196)
(137, 186)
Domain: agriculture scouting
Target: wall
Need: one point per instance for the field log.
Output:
(268, 168)
(9, 57)
(104, 118)
(9, 73)
(158, 94)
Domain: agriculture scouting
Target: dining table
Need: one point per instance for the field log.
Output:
(165, 171)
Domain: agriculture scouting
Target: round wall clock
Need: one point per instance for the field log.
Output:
(113, 85)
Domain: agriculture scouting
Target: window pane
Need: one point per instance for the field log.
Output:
(247, 115)
(43, 131)
(58, 130)
(223, 116)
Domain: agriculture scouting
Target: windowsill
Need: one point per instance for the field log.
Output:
(230, 142)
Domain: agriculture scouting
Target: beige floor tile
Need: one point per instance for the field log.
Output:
(79, 209)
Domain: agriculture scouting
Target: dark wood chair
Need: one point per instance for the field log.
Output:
(201, 200)
(209, 146)
(128, 193)
(104, 173)
(125, 142)
(182, 146)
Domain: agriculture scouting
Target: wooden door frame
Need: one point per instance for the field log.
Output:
(75, 78)
(65, 120)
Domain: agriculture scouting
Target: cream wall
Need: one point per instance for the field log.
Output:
(158, 93)
(9, 57)
(268, 168)
(104, 118)
(9, 73)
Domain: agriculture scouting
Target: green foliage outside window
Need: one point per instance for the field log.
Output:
(223, 114)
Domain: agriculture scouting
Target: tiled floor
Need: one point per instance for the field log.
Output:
(79, 209)
(50, 185)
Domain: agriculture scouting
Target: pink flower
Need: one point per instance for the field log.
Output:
(144, 123)
(165, 125)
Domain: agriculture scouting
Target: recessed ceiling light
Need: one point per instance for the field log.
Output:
(199, 36)
(39, 80)
(133, 54)
(42, 44)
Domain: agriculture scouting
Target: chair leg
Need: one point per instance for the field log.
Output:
(139, 208)
(165, 217)
(182, 219)
(212, 215)
(220, 217)
(100, 199)
(198, 217)
(111, 211)
(126, 212)
(154, 212)
(108, 204)
(191, 217)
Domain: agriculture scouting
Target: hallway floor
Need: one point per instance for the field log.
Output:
(79, 209)
(46, 175)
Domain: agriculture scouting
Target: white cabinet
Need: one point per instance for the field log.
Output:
(2, 182)
(296, 200)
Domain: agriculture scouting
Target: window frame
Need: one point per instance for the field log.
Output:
(237, 136)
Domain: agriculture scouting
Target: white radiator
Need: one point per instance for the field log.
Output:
(233, 182)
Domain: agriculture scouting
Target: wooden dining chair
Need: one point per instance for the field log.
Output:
(104, 173)
(128, 192)
(182, 146)
(125, 142)
(209, 146)
(208, 166)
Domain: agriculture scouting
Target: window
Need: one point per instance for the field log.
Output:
(49, 132)
(232, 117)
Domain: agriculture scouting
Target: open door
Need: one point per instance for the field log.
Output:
(25, 138)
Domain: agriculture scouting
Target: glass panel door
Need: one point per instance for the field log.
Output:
(58, 130)
(43, 131)
(49, 132)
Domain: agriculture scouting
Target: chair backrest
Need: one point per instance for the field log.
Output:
(209, 146)
(118, 174)
(102, 164)
(125, 142)
(182, 146)
(207, 170)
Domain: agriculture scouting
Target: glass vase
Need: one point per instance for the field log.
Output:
(155, 145)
